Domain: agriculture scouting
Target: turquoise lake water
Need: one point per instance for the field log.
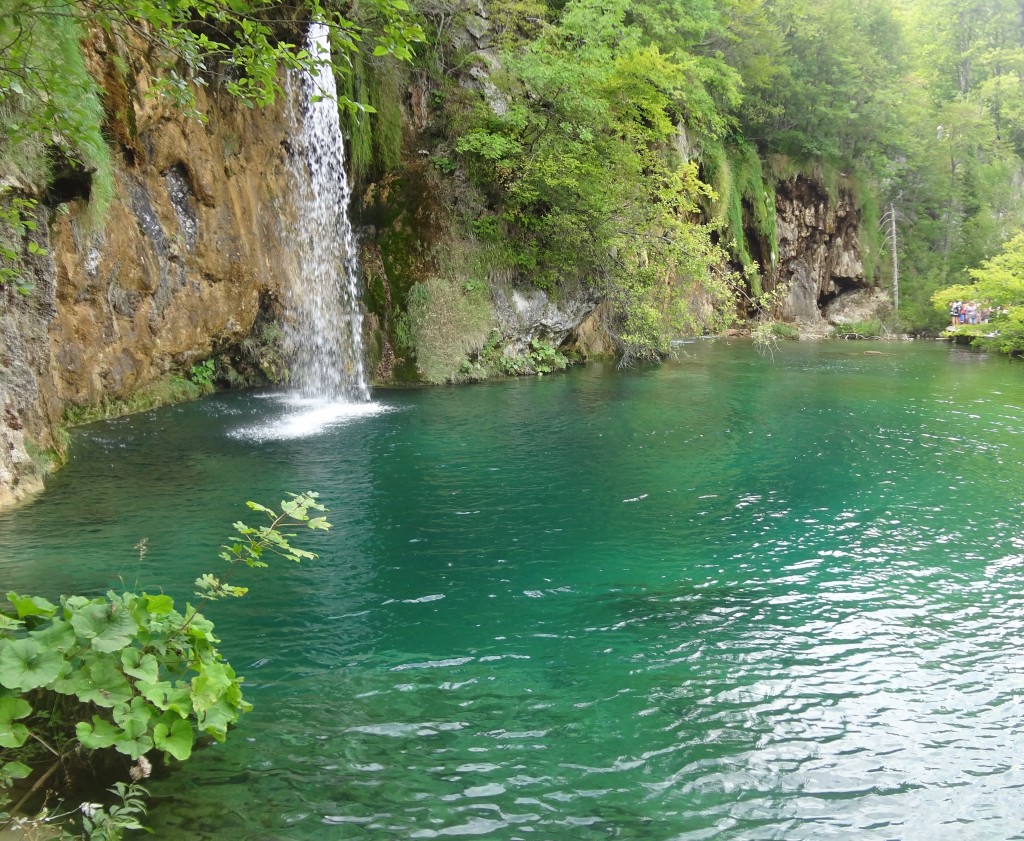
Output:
(729, 597)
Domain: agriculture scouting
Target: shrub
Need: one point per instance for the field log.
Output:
(127, 673)
(784, 330)
(202, 374)
(447, 323)
(872, 329)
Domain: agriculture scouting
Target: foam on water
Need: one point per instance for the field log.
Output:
(307, 417)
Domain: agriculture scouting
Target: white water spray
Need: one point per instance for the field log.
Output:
(324, 329)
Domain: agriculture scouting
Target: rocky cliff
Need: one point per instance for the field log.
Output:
(194, 247)
(820, 259)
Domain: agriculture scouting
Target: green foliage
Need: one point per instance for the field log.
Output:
(17, 223)
(257, 360)
(544, 358)
(871, 329)
(765, 337)
(956, 163)
(742, 198)
(374, 132)
(870, 234)
(50, 110)
(110, 824)
(784, 330)
(386, 95)
(202, 374)
(998, 284)
(540, 358)
(128, 672)
(583, 182)
(356, 123)
(165, 391)
(51, 115)
(448, 323)
(833, 79)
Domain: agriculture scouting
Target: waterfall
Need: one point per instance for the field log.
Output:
(323, 331)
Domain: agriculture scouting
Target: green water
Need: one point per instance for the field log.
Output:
(725, 598)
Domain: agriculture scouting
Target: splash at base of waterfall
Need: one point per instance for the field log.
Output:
(305, 417)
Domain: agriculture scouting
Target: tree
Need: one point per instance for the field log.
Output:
(585, 187)
(998, 283)
(829, 88)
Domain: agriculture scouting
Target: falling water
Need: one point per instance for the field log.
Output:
(323, 333)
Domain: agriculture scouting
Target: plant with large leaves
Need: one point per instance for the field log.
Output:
(128, 672)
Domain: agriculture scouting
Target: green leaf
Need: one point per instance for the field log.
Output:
(9, 623)
(164, 695)
(142, 666)
(73, 603)
(14, 771)
(177, 739)
(13, 735)
(25, 664)
(139, 713)
(12, 708)
(216, 720)
(101, 683)
(212, 684)
(56, 635)
(109, 627)
(31, 605)
(134, 740)
(159, 604)
(99, 734)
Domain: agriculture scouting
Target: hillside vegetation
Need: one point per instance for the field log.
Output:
(628, 149)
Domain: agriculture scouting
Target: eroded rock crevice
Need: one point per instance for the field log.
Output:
(820, 257)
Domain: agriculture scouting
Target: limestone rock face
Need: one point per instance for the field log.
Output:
(194, 242)
(24, 357)
(819, 255)
(524, 315)
(859, 306)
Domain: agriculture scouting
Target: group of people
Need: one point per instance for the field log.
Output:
(968, 312)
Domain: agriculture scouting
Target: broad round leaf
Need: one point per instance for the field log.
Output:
(177, 739)
(25, 664)
(107, 627)
(99, 734)
(14, 771)
(31, 605)
(13, 735)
